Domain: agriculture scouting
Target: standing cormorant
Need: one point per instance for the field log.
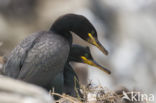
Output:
(69, 81)
(42, 55)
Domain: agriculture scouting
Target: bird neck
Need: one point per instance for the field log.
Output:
(64, 25)
(63, 32)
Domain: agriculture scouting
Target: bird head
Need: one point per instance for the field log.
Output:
(83, 55)
(79, 25)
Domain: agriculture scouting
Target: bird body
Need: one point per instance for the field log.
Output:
(68, 81)
(71, 82)
(41, 56)
(36, 59)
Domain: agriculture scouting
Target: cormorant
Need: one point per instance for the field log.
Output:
(42, 55)
(69, 82)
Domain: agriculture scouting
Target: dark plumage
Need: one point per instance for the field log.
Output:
(37, 60)
(41, 56)
(69, 80)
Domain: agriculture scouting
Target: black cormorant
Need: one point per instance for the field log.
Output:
(69, 81)
(42, 55)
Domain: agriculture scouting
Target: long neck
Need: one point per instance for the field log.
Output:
(62, 30)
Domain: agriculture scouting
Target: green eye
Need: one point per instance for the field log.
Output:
(86, 55)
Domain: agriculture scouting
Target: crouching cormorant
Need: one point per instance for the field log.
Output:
(42, 55)
(69, 82)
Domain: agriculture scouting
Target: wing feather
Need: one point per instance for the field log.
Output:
(17, 56)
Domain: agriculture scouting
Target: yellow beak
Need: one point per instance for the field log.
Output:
(95, 42)
(93, 63)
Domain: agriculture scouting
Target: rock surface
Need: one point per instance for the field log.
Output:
(15, 91)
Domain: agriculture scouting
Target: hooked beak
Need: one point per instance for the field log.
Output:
(93, 63)
(95, 42)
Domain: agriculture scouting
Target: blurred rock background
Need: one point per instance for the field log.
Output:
(127, 28)
(14, 91)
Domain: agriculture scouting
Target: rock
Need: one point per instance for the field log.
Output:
(15, 91)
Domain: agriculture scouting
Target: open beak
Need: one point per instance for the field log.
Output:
(93, 63)
(95, 42)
